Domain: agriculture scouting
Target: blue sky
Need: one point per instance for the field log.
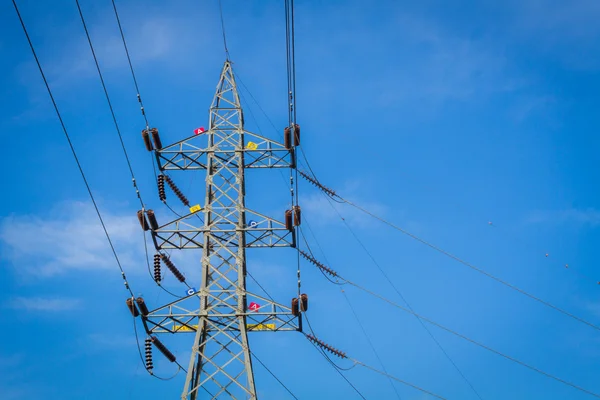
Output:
(440, 117)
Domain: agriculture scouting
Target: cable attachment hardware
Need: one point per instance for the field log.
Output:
(317, 183)
(317, 263)
(161, 188)
(157, 277)
(176, 190)
(172, 268)
(325, 346)
(132, 308)
(148, 351)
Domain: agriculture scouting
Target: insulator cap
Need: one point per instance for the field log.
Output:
(297, 216)
(172, 268)
(148, 352)
(152, 219)
(161, 347)
(297, 135)
(142, 306)
(143, 220)
(288, 220)
(147, 141)
(161, 188)
(303, 302)
(157, 272)
(156, 138)
(295, 310)
(287, 137)
(132, 308)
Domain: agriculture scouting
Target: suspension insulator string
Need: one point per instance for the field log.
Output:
(176, 190)
(167, 261)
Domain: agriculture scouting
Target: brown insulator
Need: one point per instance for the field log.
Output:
(156, 138)
(288, 220)
(147, 141)
(132, 308)
(163, 349)
(303, 303)
(295, 310)
(177, 192)
(297, 218)
(142, 306)
(152, 219)
(172, 268)
(148, 351)
(143, 220)
(287, 137)
(161, 188)
(297, 135)
(157, 277)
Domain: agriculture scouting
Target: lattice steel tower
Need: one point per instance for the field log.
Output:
(219, 313)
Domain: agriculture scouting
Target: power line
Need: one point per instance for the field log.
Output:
(385, 275)
(450, 255)
(223, 30)
(139, 97)
(337, 369)
(112, 111)
(64, 128)
(455, 333)
(473, 267)
(347, 301)
(272, 374)
(321, 345)
(114, 118)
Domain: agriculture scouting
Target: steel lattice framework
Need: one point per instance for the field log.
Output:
(221, 362)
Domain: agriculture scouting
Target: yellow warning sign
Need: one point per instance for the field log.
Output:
(261, 327)
(195, 208)
(251, 146)
(184, 328)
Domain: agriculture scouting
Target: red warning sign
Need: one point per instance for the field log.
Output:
(199, 130)
(253, 306)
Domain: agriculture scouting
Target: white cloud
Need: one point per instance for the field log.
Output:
(70, 237)
(43, 304)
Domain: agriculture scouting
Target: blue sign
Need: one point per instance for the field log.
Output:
(252, 224)
(190, 291)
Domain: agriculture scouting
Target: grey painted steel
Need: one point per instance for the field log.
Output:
(217, 314)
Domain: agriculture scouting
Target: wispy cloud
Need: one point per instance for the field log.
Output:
(588, 216)
(43, 304)
(324, 211)
(69, 237)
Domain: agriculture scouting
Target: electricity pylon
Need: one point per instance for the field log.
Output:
(219, 313)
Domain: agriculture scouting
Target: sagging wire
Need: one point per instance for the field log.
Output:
(326, 272)
(333, 364)
(466, 338)
(466, 263)
(326, 347)
(385, 275)
(71, 146)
